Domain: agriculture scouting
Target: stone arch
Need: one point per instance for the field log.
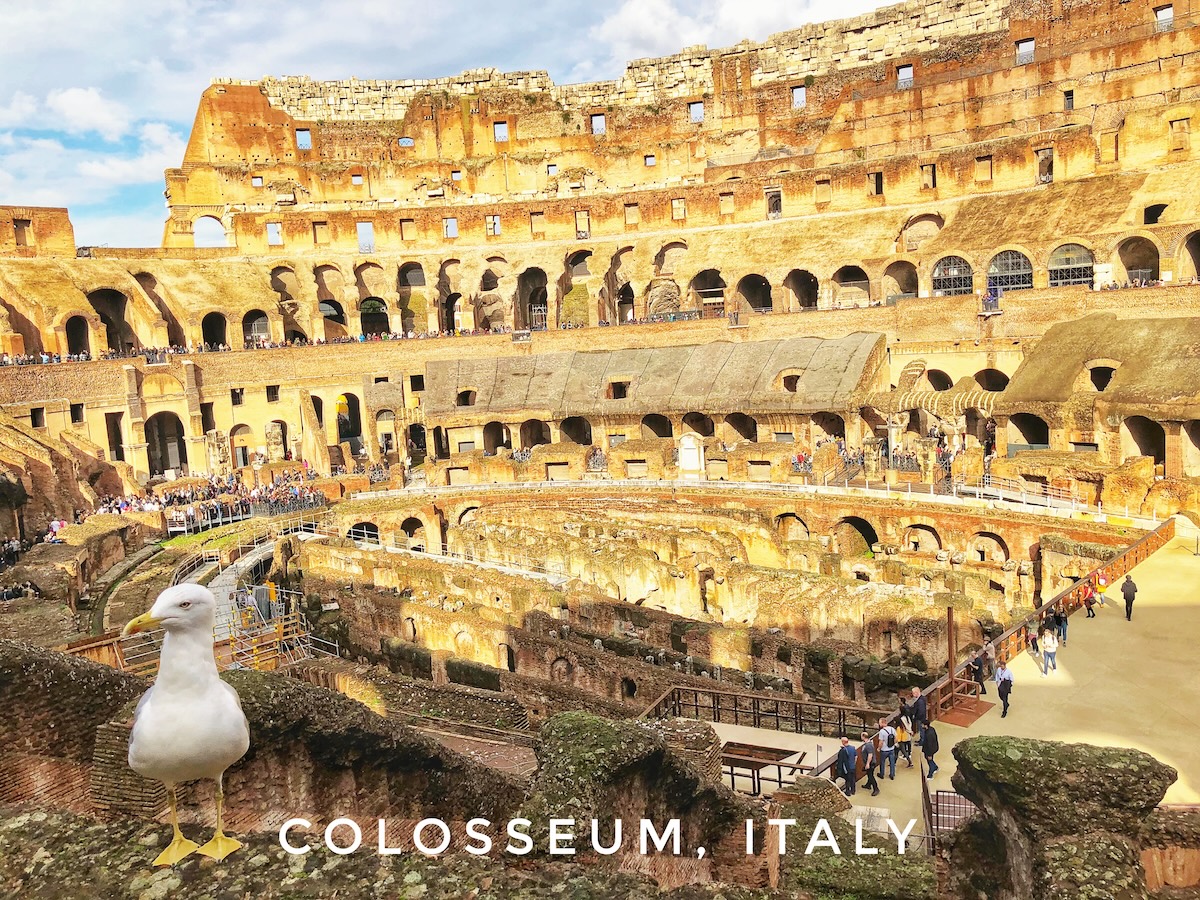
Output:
(987, 546)
(991, 380)
(577, 430)
(495, 436)
(241, 442)
(533, 433)
(829, 425)
(577, 263)
(78, 336)
(791, 527)
(854, 536)
(1026, 428)
(617, 295)
(755, 290)
(937, 380)
(1009, 270)
(743, 426)
(214, 329)
(414, 533)
(1187, 266)
(920, 537)
(699, 423)
(373, 314)
(208, 231)
(166, 447)
(669, 258)
(468, 515)
(465, 398)
(349, 418)
(370, 280)
(532, 300)
(112, 306)
(804, 288)
(656, 426)
(334, 319)
(1141, 436)
(1071, 264)
(952, 276)
(561, 670)
(256, 327)
(852, 286)
(706, 292)
(918, 230)
(900, 280)
(367, 532)
(1137, 259)
(149, 285)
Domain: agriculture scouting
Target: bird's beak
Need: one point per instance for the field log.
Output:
(144, 622)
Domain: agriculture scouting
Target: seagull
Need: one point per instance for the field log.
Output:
(190, 724)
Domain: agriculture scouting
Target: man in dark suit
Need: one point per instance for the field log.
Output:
(847, 765)
(920, 714)
(1129, 590)
(868, 756)
(929, 749)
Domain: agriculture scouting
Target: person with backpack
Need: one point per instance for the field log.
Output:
(887, 748)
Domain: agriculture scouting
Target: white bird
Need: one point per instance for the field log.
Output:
(190, 724)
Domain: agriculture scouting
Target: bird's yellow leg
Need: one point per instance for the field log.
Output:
(180, 847)
(221, 844)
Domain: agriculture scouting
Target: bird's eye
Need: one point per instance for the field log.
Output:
(186, 604)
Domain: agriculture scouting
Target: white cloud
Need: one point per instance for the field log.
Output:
(161, 148)
(20, 109)
(80, 110)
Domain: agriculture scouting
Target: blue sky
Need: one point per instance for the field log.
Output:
(96, 99)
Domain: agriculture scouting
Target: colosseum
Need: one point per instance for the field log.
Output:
(616, 448)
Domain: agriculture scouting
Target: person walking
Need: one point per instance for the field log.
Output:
(887, 748)
(1129, 590)
(1004, 684)
(1060, 624)
(980, 673)
(904, 739)
(929, 749)
(920, 714)
(1049, 653)
(847, 766)
(1102, 589)
(866, 757)
(1089, 600)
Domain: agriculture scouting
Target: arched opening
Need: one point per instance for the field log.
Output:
(295, 336)
(1138, 258)
(1189, 264)
(561, 670)
(854, 536)
(900, 280)
(349, 420)
(416, 439)
(987, 546)
(707, 291)
(938, 380)
(495, 436)
(922, 539)
(450, 314)
(319, 410)
(742, 426)
(625, 303)
(656, 426)
(241, 442)
(1152, 214)
(335, 319)
(208, 231)
(952, 277)
(78, 340)
(165, 444)
(533, 433)
(669, 258)
(1028, 430)
(1143, 437)
(804, 288)
(441, 442)
(468, 515)
(368, 532)
(791, 527)
(1071, 264)
(699, 423)
(506, 658)
(1100, 377)
(828, 425)
(256, 328)
(385, 431)
(1009, 270)
(991, 379)
(532, 300)
(853, 286)
(214, 329)
(628, 688)
(373, 313)
(414, 531)
(111, 306)
(756, 291)
(577, 430)
(577, 263)
(465, 398)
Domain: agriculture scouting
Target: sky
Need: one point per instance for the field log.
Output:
(97, 99)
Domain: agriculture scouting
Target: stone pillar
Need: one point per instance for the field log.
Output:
(1174, 449)
(1002, 437)
(217, 453)
(274, 439)
(955, 428)
(931, 472)
(872, 467)
(896, 423)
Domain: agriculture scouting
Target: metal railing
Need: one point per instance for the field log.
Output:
(786, 714)
(989, 487)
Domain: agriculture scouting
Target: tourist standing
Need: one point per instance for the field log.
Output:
(1129, 590)
(1004, 684)
(1060, 624)
(929, 749)
(920, 714)
(1049, 652)
(977, 669)
(887, 748)
(904, 739)
(847, 766)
